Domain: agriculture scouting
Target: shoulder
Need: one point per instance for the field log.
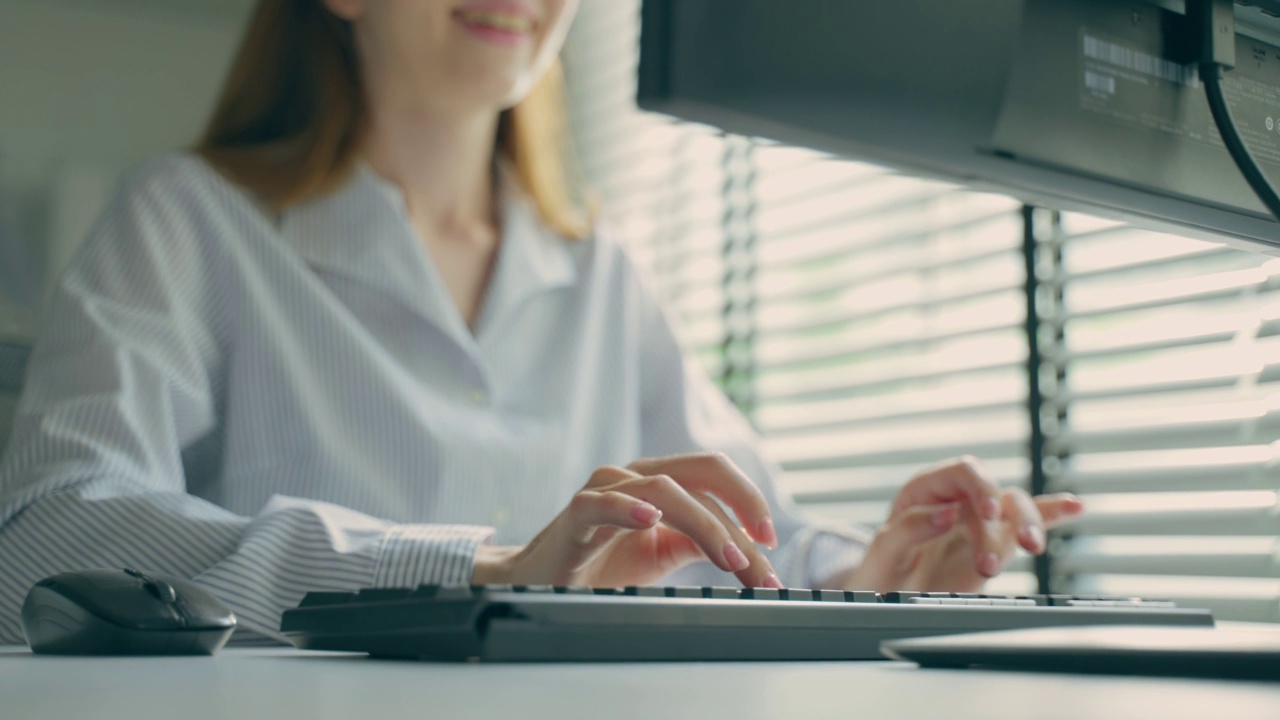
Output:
(623, 274)
(173, 221)
(608, 259)
(177, 207)
(180, 179)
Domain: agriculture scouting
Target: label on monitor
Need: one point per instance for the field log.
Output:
(1107, 88)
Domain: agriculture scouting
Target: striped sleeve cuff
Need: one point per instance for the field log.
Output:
(413, 555)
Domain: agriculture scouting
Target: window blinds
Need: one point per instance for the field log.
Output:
(1165, 411)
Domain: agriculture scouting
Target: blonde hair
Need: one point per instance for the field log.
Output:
(293, 119)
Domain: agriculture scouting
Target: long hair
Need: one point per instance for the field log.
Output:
(293, 118)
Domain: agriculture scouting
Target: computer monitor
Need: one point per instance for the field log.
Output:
(1087, 105)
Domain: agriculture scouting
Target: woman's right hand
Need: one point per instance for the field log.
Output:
(635, 526)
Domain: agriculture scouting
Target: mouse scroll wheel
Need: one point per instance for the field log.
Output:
(159, 589)
(162, 591)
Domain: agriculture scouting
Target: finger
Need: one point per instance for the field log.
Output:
(1024, 514)
(682, 512)
(760, 572)
(589, 511)
(1059, 509)
(963, 478)
(609, 475)
(913, 527)
(579, 533)
(717, 475)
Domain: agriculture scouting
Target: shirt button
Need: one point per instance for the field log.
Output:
(501, 515)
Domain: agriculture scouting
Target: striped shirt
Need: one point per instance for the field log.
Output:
(272, 405)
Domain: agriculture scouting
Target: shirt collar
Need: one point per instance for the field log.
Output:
(362, 232)
(532, 258)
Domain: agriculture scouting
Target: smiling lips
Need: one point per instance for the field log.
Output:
(505, 22)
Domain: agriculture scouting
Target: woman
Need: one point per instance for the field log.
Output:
(364, 337)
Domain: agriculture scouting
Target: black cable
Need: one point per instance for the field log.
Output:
(1214, 22)
(1212, 77)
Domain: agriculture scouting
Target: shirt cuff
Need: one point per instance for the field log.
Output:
(414, 555)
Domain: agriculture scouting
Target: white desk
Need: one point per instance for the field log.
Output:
(274, 684)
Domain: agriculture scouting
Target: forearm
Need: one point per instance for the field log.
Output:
(260, 565)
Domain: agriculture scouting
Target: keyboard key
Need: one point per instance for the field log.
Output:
(317, 599)
(684, 592)
(900, 596)
(644, 591)
(721, 593)
(792, 594)
(384, 594)
(862, 596)
(607, 591)
(453, 592)
(761, 594)
(828, 595)
(573, 590)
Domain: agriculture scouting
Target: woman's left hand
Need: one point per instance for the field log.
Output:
(951, 528)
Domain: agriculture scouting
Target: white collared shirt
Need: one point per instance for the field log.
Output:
(275, 405)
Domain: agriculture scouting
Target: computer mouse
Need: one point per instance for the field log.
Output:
(123, 612)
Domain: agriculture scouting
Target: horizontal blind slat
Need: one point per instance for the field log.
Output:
(1239, 599)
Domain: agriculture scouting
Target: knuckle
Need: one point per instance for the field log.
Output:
(664, 483)
(605, 475)
(721, 458)
(885, 532)
(582, 503)
(968, 464)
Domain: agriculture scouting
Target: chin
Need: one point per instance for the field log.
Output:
(501, 94)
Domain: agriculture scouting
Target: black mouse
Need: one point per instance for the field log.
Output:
(123, 612)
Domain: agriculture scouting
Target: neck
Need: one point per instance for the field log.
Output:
(443, 163)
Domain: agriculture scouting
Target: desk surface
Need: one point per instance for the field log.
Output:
(281, 683)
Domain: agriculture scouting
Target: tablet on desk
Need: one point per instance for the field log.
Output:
(1223, 652)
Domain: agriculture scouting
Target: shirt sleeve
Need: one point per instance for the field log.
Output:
(685, 412)
(124, 378)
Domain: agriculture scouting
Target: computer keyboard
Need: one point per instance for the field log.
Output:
(542, 623)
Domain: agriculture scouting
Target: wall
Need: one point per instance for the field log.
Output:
(87, 89)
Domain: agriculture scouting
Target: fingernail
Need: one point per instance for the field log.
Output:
(773, 582)
(1035, 537)
(646, 514)
(991, 508)
(734, 558)
(767, 533)
(989, 565)
(945, 517)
